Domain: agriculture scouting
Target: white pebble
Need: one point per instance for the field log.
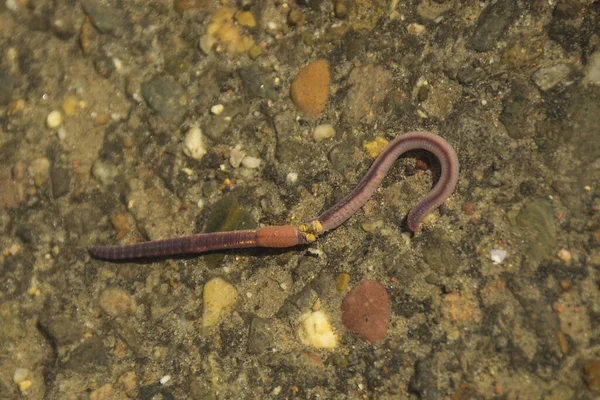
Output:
(236, 157)
(251, 162)
(217, 109)
(165, 379)
(324, 131)
(292, 177)
(497, 256)
(193, 144)
(54, 119)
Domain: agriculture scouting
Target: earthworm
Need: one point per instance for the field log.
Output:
(290, 236)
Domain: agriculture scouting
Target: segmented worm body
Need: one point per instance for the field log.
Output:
(289, 236)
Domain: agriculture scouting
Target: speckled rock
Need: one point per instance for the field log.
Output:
(310, 88)
(219, 297)
(366, 311)
(368, 87)
(166, 98)
(105, 19)
(492, 23)
(539, 228)
(259, 335)
(117, 302)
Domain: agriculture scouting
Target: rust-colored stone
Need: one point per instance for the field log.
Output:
(310, 88)
(366, 311)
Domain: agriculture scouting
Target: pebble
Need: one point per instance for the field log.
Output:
(206, 43)
(54, 119)
(251, 162)
(547, 78)
(6, 88)
(245, 19)
(316, 331)
(61, 181)
(259, 335)
(120, 222)
(592, 69)
(564, 255)
(366, 311)
(103, 172)
(310, 89)
(39, 171)
(539, 228)
(291, 177)
(217, 109)
(492, 24)
(166, 98)
(117, 302)
(497, 256)
(341, 283)
(323, 131)
(219, 297)
(193, 144)
(591, 375)
(236, 156)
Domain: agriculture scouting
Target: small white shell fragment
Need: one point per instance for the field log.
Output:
(236, 156)
(217, 109)
(324, 131)
(251, 162)
(54, 119)
(193, 144)
(497, 256)
(165, 379)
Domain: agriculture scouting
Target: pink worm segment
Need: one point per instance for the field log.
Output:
(343, 210)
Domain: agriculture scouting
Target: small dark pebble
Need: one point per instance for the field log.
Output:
(61, 180)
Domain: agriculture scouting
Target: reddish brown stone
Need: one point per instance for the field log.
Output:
(366, 311)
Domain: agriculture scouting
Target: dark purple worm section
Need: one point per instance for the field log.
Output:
(270, 236)
(343, 210)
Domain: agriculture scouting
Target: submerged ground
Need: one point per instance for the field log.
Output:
(123, 121)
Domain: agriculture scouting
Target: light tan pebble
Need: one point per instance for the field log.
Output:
(316, 331)
(117, 302)
(70, 105)
(416, 29)
(54, 119)
(193, 144)
(245, 19)
(323, 131)
(251, 162)
(39, 171)
(14, 249)
(103, 172)
(236, 156)
(217, 109)
(291, 177)
(20, 375)
(371, 226)
(206, 43)
(564, 255)
(129, 382)
(219, 298)
(103, 393)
